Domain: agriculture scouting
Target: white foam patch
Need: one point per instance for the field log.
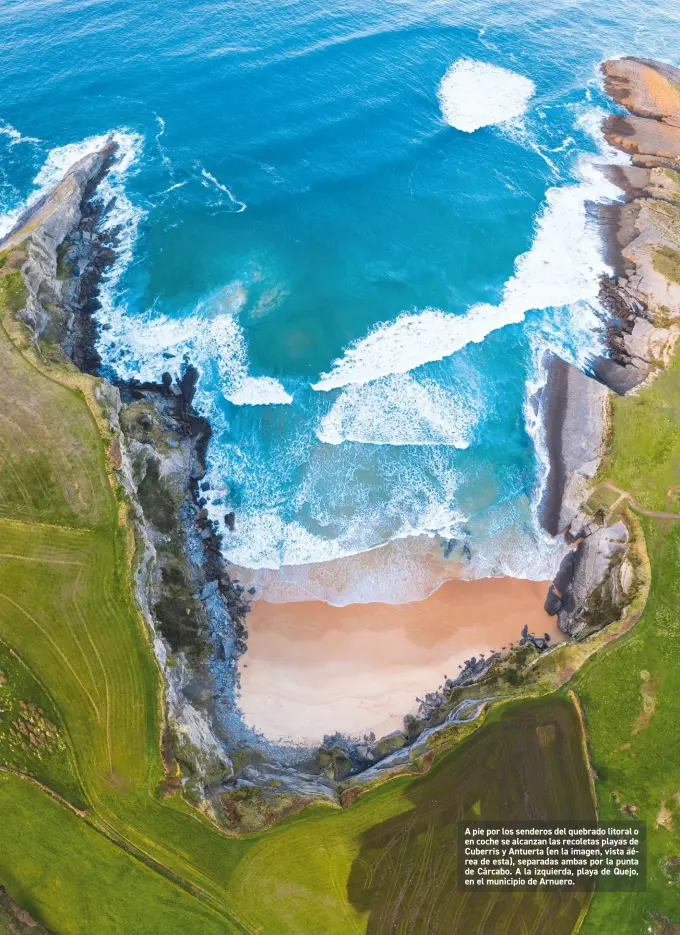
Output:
(476, 94)
(264, 538)
(563, 267)
(208, 180)
(578, 343)
(15, 137)
(399, 410)
(122, 214)
(211, 338)
(259, 391)
(399, 572)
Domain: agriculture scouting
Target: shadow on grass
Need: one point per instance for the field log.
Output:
(525, 763)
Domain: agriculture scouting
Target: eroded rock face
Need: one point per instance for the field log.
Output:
(650, 142)
(643, 299)
(158, 446)
(61, 293)
(596, 594)
(593, 585)
(576, 412)
(644, 88)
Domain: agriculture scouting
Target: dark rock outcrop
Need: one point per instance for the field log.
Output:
(62, 255)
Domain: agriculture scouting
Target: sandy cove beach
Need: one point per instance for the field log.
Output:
(312, 669)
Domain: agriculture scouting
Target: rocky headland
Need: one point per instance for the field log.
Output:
(596, 580)
(194, 607)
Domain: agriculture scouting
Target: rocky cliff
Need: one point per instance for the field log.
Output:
(157, 451)
(642, 301)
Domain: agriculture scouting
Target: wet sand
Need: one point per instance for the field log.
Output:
(312, 669)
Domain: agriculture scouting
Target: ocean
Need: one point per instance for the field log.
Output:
(365, 225)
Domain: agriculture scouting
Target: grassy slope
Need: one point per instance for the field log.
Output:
(631, 692)
(645, 455)
(67, 609)
(65, 603)
(75, 881)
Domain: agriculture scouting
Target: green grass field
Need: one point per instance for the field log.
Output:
(525, 763)
(645, 449)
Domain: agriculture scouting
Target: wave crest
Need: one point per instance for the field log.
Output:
(562, 268)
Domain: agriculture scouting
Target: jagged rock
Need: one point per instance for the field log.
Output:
(590, 594)
(291, 780)
(565, 574)
(650, 142)
(553, 602)
(208, 590)
(59, 307)
(195, 740)
(334, 762)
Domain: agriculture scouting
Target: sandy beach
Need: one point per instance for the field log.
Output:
(312, 669)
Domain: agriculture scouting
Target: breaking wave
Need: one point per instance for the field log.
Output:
(562, 268)
(400, 410)
(15, 137)
(211, 338)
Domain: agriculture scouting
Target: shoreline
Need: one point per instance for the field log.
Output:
(312, 669)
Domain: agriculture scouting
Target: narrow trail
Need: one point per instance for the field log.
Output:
(624, 495)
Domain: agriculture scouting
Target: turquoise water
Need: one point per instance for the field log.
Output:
(366, 283)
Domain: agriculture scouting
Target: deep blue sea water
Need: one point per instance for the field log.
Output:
(367, 283)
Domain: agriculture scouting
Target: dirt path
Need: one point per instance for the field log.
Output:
(624, 495)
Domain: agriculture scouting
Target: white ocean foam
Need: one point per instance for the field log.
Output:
(123, 214)
(6, 129)
(263, 539)
(476, 94)
(211, 337)
(399, 410)
(520, 133)
(209, 179)
(583, 339)
(312, 522)
(259, 391)
(509, 548)
(563, 267)
(399, 572)
(165, 159)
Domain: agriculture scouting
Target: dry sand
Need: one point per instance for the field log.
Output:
(312, 669)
